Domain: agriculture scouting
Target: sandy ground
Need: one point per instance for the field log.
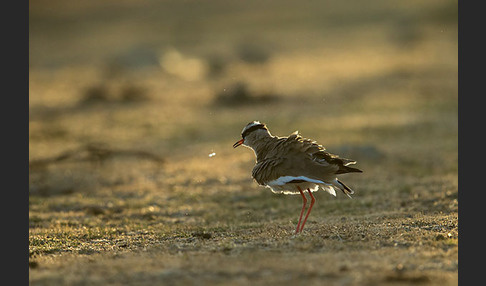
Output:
(134, 107)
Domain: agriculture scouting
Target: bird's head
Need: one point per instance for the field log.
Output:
(251, 133)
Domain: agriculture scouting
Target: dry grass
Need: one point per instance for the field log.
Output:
(377, 84)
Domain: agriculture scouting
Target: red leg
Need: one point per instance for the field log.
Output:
(313, 200)
(304, 202)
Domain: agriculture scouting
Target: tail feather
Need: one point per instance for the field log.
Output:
(345, 189)
(347, 169)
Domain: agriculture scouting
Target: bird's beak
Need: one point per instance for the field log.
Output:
(238, 143)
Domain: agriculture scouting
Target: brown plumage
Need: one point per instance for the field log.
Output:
(290, 164)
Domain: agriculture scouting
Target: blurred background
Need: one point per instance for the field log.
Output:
(174, 81)
(134, 107)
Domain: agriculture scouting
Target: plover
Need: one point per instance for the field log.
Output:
(292, 164)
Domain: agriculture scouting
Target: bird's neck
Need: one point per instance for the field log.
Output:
(262, 148)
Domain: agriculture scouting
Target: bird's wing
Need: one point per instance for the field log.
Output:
(321, 161)
(266, 171)
(297, 156)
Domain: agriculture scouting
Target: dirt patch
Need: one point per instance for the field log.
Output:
(163, 198)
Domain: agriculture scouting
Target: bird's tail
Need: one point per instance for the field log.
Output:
(347, 169)
(345, 189)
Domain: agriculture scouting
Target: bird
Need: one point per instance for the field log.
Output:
(294, 164)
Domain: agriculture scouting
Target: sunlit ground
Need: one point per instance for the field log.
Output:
(134, 108)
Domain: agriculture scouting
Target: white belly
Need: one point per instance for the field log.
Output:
(289, 184)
